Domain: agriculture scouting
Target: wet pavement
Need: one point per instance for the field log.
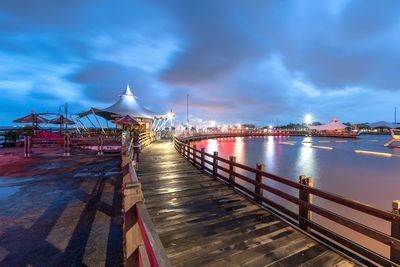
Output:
(60, 211)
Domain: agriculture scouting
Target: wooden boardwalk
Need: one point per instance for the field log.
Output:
(202, 222)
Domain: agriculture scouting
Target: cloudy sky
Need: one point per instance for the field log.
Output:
(240, 61)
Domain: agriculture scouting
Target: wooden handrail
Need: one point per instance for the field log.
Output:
(142, 246)
(393, 240)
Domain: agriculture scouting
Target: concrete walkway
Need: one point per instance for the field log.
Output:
(60, 211)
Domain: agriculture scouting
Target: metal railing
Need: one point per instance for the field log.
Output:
(212, 164)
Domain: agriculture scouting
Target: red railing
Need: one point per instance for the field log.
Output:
(210, 163)
(68, 141)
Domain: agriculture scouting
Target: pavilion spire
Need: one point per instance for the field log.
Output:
(128, 91)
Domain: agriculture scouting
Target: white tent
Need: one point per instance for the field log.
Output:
(127, 104)
(333, 125)
(383, 124)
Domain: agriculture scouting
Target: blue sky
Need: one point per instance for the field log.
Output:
(249, 61)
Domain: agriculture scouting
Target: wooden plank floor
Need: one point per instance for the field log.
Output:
(202, 222)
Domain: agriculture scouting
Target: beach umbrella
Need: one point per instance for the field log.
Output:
(127, 120)
(31, 118)
(61, 120)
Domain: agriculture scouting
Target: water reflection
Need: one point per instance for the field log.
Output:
(270, 151)
(212, 145)
(239, 149)
(365, 178)
(305, 162)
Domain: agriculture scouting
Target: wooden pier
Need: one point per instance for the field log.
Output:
(202, 222)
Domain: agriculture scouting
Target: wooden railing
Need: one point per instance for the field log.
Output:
(142, 246)
(257, 177)
(146, 138)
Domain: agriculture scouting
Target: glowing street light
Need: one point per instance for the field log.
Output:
(170, 115)
(308, 119)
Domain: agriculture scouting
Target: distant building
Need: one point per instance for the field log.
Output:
(248, 126)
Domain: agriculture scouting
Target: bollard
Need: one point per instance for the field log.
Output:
(232, 160)
(215, 164)
(395, 232)
(305, 199)
(257, 189)
(202, 158)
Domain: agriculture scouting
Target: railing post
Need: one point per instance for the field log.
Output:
(98, 146)
(395, 232)
(257, 189)
(202, 158)
(65, 145)
(25, 146)
(194, 154)
(102, 144)
(68, 145)
(28, 147)
(232, 160)
(187, 151)
(215, 164)
(305, 199)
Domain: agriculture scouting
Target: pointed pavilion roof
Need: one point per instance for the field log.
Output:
(127, 104)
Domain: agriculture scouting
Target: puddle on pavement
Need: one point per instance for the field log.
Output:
(5, 192)
(53, 165)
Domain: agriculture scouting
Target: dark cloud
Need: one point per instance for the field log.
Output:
(243, 60)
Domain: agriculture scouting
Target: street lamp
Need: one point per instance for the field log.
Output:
(308, 119)
(170, 116)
